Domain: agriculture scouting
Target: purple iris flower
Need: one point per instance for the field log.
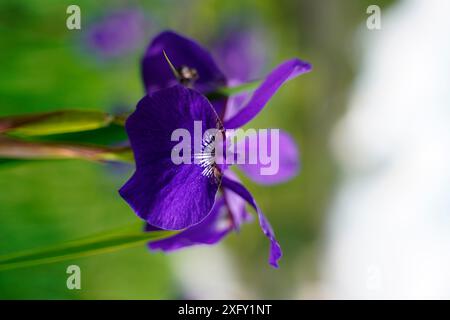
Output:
(118, 33)
(204, 204)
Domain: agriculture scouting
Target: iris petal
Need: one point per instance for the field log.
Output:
(275, 249)
(235, 203)
(167, 195)
(209, 231)
(181, 51)
(266, 90)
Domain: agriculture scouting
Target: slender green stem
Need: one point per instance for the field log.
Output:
(47, 123)
(245, 87)
(11, 148)
(224, 92)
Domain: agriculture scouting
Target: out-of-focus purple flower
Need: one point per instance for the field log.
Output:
(242, 54)
(182, 197)
(117, 33)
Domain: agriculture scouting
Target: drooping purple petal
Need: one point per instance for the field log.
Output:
(285, 161)
(181, 51)
(117, 33)
(275, 249)
(235, 203)
(209, 231)
(167, 195)
(267, 89)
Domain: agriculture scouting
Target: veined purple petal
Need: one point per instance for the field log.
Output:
(167, 195)
(275, 249)
(209, 231)
(181, 51)
(288, 161)
(267, 89)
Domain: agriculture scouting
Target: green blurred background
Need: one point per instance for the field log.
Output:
(44, 66)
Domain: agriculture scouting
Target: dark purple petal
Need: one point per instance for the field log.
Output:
(275, 249)
(209, 231)
(267, 89)
(151, 125)
(117, 33)
(149, 228)
(220, 105)
(166, 195)
(181, 52)
(288, 160)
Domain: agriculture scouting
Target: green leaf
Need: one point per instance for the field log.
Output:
(6, 161)
(112, 134)
(63, 121)
(117, 154)
(232, 91)
(93, 245)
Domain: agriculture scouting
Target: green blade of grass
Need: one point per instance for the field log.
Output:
(34, 150)
(93, 245)
(113, 134)
(245, 87)
(224, 92)
(61, 121)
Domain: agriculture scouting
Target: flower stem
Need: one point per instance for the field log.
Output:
(56, 122)
(18, 149)
(232, 91)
